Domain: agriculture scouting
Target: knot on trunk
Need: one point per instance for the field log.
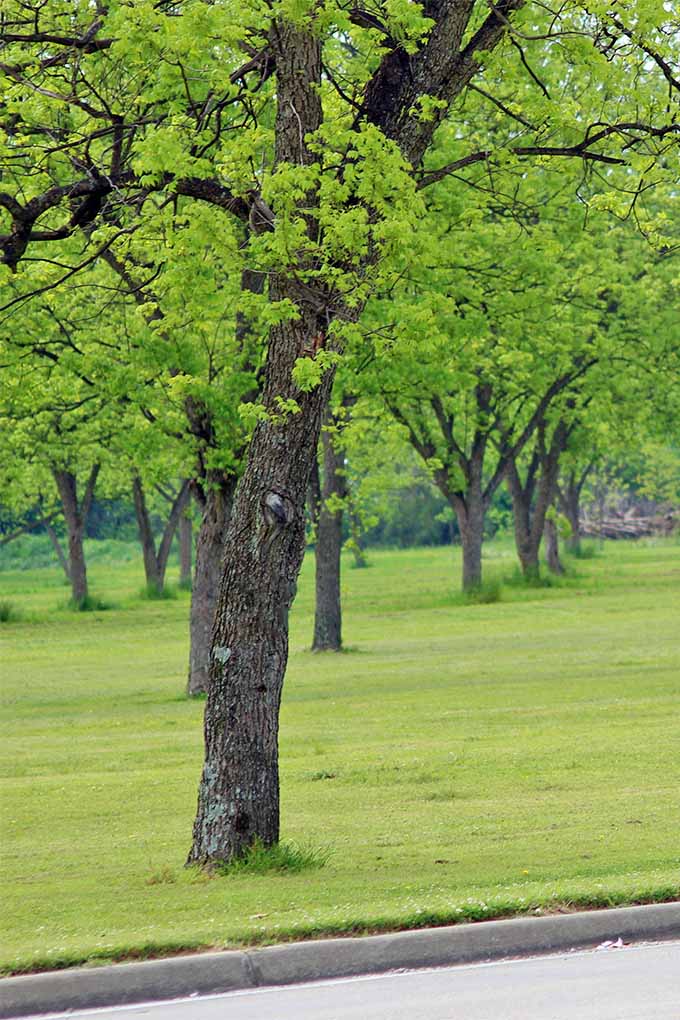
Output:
(278, 510)
(221, 654)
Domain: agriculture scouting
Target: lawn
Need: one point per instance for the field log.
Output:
(459, 761)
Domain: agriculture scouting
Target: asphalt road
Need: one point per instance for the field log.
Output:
(632, 983)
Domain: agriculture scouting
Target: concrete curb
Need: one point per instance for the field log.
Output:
(294, 963)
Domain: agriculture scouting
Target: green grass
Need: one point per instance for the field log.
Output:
(280, 858)
(459, 762)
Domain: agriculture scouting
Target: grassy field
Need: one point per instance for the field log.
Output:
(459, 761)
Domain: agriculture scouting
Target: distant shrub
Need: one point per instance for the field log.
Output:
(8, 612)
(31, 552)
(110, 551)
(585, 551)
(28, 552)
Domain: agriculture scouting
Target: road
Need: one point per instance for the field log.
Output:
(632, 983)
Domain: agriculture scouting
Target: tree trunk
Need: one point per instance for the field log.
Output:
(541, 480)
(239, 791)
(238, 799)
(178, 502)
(569, 495)
(328, 612)
(552, 546)
(75, 516)
(56, 545)
(212, 533)
(154, 582)
(470, 510)
(156, 562)
(570, 506)
(527, 540)
(186, 549)
(471, 527)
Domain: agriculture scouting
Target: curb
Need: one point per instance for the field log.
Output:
(298, 962)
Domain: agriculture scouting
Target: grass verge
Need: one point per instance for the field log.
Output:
(461, 764)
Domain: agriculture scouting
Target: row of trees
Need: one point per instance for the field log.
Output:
(229, 229)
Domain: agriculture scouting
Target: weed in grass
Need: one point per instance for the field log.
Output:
(519, 580)
(316, 776)
(531, 582)
(8, 612)
(153, 593)
(280, 858)
(441, 796)
(163, 876)
(483, 594)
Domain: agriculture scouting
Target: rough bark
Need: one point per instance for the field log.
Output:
(328, 608)
(552, 546)
(75, 515)
(216, 503)
(441, 68)
(186, 550)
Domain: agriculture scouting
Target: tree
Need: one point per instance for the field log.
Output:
(476, 362)
(56, 430)
(328, 540)
(358, 99)
(156, 559)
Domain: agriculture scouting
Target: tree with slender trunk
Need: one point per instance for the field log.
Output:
(58, 549)
(569, 488)
(533, 494)
(328, 542)
(156, 559)
(468, 453)
(76, 510)
(551, 540)
(185, 533)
